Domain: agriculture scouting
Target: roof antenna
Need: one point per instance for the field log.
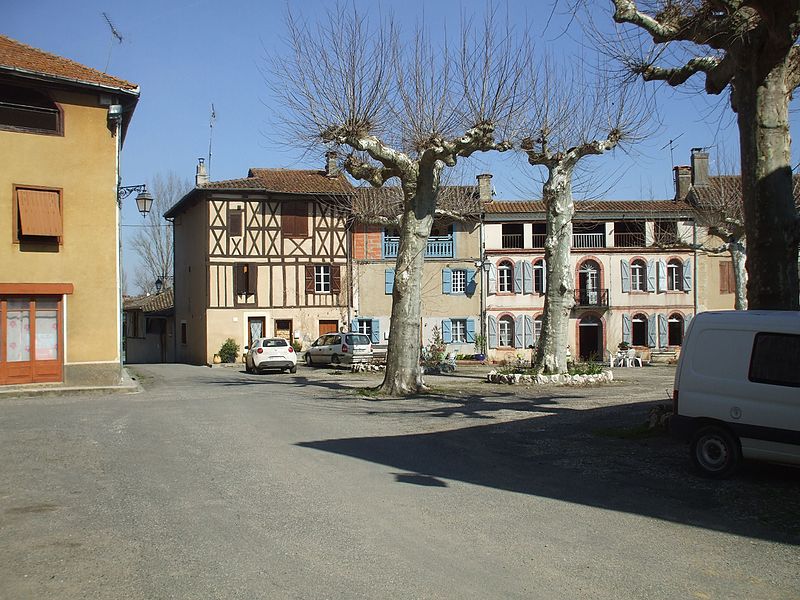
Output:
(671, 144)
(211, 121)
(114, 34)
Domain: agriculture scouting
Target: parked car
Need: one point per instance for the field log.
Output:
(737, 389)
(270, 353)
(339, 348)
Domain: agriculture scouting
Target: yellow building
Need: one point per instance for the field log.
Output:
(61, 129)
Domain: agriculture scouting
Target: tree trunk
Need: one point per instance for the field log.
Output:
(403, 372)
(551, 347)
(762, 107)
(738, 254)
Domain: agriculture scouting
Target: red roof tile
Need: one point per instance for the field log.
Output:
(17, 56)
(508, 207)
(150, 302)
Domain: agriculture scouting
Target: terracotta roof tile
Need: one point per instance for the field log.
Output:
(17, 56)
(387, 201)
(150, 302)
(509, 207)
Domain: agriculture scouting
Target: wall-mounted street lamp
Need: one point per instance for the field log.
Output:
(143, 199)
(160, 283)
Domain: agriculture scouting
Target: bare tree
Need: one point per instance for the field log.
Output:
(749, 47)
(406, 109)
(570, 119)
(152, 243)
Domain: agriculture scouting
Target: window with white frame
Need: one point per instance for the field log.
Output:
(505, 331)
(538, 277)
(459, 281)
(459, 331)
(638, 276)
(322, 279)
(365, 327)
(537, 329)
(505, 277)
(674, 275)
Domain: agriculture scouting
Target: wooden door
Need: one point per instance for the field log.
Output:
(31, 340)
(283, 329)
(328, 327)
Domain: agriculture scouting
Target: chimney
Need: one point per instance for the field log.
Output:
(683, 180)
(485, 187)
(331, 166)
(699, 167)
(201, 177)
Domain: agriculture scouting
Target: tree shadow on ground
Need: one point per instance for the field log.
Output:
(563, 455)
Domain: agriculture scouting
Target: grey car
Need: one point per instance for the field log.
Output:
(339, 348)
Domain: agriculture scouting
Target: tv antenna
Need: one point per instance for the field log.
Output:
(212, 118)
(671, 145)
(114, 34)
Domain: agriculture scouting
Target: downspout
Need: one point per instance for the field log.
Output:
(696, 278)
(117, 179)
(482, 258)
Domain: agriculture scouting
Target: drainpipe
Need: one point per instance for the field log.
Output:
(694, 257)
(482, 257)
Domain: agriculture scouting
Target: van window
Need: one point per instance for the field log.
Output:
(774, 359)
(357, 340)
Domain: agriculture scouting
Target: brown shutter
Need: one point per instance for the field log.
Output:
(239, 279)
(727, 284)
(39, 212)
(235, 223)
(294, 218)
(310, 279)
(252, 278)
(336, 280)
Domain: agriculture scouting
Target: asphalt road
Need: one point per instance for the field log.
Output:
(217, 484)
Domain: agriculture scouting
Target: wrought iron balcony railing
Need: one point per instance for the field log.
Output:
(591, 298)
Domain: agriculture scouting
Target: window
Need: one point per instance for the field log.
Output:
(537, 329)
(183, 332)
(459, 331)
(26, 110)
(539, 235)
(505, 277)
(727, 283)
(235, 223)
(245, 278)
(322, 279)
(459, 282)
(639, 330)
(675, 275)
(294, 219)
(638, 276)
(37, 213)
(538, 277)
(675, 330)
(365, 327)
(666, 233)
(772, 360)
(505, 330)
(511, 236)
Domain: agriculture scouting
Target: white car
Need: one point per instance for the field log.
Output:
(339, 348)
(270, 353)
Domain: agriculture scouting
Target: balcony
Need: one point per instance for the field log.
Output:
(629, 240)
(591, 298)
(538, 240)
(588, 240)
(439, 246)
(512, 240)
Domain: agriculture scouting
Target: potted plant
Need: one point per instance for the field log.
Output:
(480, 348)
(229, 351)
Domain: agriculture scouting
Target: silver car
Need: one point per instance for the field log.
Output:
(339, 348)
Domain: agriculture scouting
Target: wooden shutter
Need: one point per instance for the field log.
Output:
(336, 279)
(625, 273)
(235, 223)
(239, 279)
(492, 326)
(252, 278)
(726, 282)
(310, 279)
(39, 212)
(294, 219)
(447, 331)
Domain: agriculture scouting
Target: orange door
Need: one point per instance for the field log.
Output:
(326, 327)
(31, 344)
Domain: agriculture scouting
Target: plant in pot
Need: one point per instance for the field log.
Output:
(480, 348)
(229, 351)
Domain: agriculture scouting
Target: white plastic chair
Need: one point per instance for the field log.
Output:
(631, 359)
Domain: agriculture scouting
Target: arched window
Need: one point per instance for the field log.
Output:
(505, 331)
(638, 276)
(639, 330)
(505, 277)
(675, 330)
(589, 282)
(674, 275)
(538, 277)
(25, 109)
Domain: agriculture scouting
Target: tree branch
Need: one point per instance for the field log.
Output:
(677, 76)
(374, 175)
(793, 68)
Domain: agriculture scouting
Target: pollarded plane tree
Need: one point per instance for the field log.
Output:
(568, 120)
(405, 109)
(750, 48)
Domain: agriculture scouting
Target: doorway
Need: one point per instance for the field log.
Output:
(283, 329)
(328, 327)
(589, 283)
(590, 339)
(31, 339)
(256, 327)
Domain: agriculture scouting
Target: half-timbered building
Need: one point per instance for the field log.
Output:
(265, 255)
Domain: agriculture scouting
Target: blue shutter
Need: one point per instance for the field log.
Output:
(389, 281)
(354, 325)
(518, 278)
(651, 276)
(651, 331)
(470, 331)
(527, 277)
(687, 276)
(626, 328)
(662, 275)
(492, 321)
(663, 332)
(529, 341)
(447, 331)
(518, 332)
(376, 331)
(491, 283)
(625, 272)
(447, 281)
(686, 320)
(471, 283)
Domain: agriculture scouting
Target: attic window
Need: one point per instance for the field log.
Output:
(26, 110)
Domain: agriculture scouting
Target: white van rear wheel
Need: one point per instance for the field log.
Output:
(715, 452)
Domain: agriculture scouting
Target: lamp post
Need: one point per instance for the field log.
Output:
(143, 199)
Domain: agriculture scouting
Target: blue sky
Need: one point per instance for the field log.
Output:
(187, 54)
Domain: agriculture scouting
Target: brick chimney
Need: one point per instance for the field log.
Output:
(485, 187)
(699, 167)
(201, 177)
(331, 166)
(683, 181)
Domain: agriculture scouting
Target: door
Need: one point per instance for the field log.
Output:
(283, 329)
(588, 282)
(255, 329)
(326, 327)
(590, 339)
(31, 340)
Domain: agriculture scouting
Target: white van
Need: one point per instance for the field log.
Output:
(737, 389)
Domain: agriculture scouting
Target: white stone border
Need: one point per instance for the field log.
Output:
(563, 379)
